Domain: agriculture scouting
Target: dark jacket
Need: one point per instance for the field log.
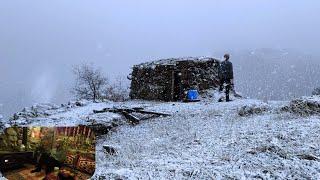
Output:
(226, 70)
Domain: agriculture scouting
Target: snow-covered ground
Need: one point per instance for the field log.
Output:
(211, 141)
(202, 140)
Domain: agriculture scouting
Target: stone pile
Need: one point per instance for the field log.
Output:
(169, 79)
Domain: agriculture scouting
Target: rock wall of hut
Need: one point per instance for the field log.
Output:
(169, 80)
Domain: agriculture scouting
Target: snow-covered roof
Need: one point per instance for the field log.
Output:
(173, 61)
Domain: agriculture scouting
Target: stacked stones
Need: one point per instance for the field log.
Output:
(168, 79)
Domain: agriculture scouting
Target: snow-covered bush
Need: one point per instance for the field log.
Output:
(304, 106)
(269, 149)
(249, 110)
(316, 91)
(78, 103)
(118, 91)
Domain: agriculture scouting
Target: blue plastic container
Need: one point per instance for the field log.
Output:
(192, 95)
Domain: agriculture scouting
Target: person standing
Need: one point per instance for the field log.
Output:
(226, 76)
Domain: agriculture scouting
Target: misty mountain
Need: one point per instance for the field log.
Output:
(272, 74)
(275, 74)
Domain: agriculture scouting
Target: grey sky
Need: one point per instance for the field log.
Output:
(41, 40)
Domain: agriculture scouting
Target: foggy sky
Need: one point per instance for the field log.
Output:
(40, 40)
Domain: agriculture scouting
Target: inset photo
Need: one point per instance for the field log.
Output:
(50, 153)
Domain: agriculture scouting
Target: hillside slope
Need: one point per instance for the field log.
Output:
(201, 140)
(204, 141)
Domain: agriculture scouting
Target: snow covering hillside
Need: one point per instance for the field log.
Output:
(241, 139)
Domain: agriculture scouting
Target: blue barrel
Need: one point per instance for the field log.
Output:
(192, 95)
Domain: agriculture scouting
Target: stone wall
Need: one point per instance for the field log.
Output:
(152, 83)
(167, 80)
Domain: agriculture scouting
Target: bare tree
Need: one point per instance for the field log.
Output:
(118, 90)
(90, 82)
